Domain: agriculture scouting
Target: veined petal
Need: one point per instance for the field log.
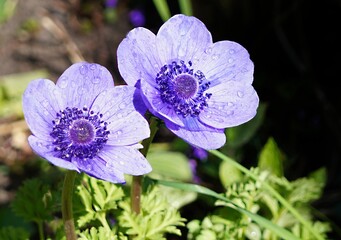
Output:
(182, 37)
(127, 159)
(118, 102)
(41, 101)
(97, 167)
(231, 104)
(226, 60)
(156, 106)
(137, 56)
(203, 139)
(82, 82)
(46, 150)
(128, 130)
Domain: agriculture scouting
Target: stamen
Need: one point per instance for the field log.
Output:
(78, 133)
(182, 88)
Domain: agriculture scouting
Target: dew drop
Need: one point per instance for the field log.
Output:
(230, 60)
(229, 113)
(232, 51)
(73, 84)
(119, 132)
(208, 50)
(45, 103)
(119, 115)
(215, 56)
(93, 66)
(81, 90)
(88, 167)
(46, 113)
(95, 80)
(121, 162)
(220, 120)
(63, 82)
(122, 105)
(83, 69)
(240, 94)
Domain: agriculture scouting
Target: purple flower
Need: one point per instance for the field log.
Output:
(199, 153)
(197, 87)
(136, 18)
(111, 3)
(84, 123)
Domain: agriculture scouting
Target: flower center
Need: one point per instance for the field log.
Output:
(78, 133)
(185, 86)
(81, 132)
(183, 89)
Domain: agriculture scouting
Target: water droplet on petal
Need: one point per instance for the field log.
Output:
(63, 82)
(229, 113)
(93, 66)
(220, 120)
(232, 51)
(215, 56)
(81, 90)
(45, 103)
(46, 113)
(208, 50)
(73, 84)
(95, 80)
(240, 94)
(83, 69)
(121, 162)
(230, 60)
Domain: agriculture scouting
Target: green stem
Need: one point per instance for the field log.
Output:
(286, 204)
(69, 226)
(186, 7)
(163, 9)
(136, 185)
(40, 230)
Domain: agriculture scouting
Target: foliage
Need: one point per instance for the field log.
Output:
(13, 233)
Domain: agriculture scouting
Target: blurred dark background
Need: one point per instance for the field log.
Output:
(294, 44)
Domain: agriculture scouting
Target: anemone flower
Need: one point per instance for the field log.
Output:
(197, 87)
(84, 123)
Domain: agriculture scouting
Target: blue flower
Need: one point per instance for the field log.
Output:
(197, 87)
(84, 123)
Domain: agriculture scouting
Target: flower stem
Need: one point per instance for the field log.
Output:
(40, 230)
(67, 213)
(136, 187)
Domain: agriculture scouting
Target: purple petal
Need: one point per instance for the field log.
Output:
(128, 130)
(41, 101)
(98, 168)
(231, 104)
(137, 56)
(46, 149)
(203, 139)
(156, 105)
(227, 60)
(82, 82)
(118, 102)
(127, 159)
(182, 37)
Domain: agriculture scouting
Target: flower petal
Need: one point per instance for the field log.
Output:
(41, 102)
(82, 82)
(118, 102)
(182, 38)
(203, 139)
(231, 104)
(128, 130)
(46, 150)
(137, 56)
(127, 159)
(228, 60)
(98, 168)
(156, 106)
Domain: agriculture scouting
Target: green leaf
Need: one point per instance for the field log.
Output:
(13, 233)
(94, 198)
(271, 158)
(168, 164)
(33, 201)
(238, 136)
(229, 174)
(157, 217)
(281, 232)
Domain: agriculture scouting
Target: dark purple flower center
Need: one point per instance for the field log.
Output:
(78, 133)
(183, 89)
